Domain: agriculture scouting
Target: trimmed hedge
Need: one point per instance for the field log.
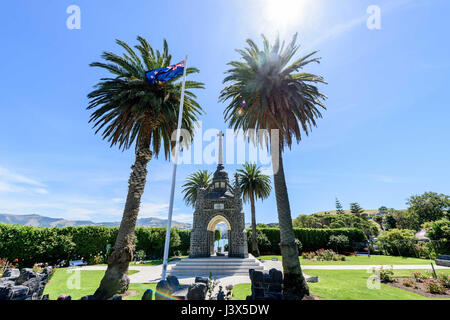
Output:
(31, 244)
(311, 239)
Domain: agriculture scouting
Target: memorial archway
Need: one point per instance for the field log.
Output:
(219, 202)
(212, 227)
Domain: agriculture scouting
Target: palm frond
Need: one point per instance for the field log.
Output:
(276, 94)
(127, 110)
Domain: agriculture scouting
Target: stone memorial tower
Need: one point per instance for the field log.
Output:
(219, 202)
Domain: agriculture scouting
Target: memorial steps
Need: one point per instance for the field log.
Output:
(218, 266)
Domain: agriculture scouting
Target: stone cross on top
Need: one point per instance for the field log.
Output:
(220, 135)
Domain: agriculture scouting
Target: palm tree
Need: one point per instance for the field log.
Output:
(128, 110)
(266, 92)
(254, 185)
(199, 179)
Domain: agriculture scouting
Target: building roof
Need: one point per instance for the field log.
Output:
(215, 194)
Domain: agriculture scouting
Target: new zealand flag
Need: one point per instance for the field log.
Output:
(165, 74)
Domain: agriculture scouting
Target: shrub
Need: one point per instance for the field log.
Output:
(299, 245)
(308, 255)
(419, 276)
(439, 233)
(425, 250)
(343, 220)
(323, 255)
(444, 280)
(185, 241)
(91, 241)
(3, 263)
(386, 275)
(439, 229)
(408, 282)
(29, 245)
(311, 239)
(264, 245)
(152, 241)
(39, 267)
(96, 259)
(337, 225)
(396, 242)
(340, 242)
(434, 286)
(139, 255)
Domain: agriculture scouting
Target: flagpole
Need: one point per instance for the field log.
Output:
(174, 173)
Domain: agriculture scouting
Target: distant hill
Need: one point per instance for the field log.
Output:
(41, 221)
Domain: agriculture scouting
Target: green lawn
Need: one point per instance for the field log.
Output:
(80, 283)
(360, 260)
(348, 285)
(332, 285)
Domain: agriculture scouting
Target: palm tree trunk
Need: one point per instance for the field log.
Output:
(255, 249)
(115, 280)
(294, 284)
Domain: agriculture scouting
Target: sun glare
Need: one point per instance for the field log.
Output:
(287, 14)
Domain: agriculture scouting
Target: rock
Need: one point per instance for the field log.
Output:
(163, 289)
(273, 296)
(5, 293)
(14, 292)
(33, 284)
(64, 297)
(88, 297)
(11, 273)
(266, 286)
(173, 282)
(45, 297)
(7, 281)
(148, 295)
(18, 292)
(180, 292)
(197, 291)
(257, 277)
(276, 275)
(24, 284)
(275, 288)
(170, 288)
(25, 274)
(204, 280)
(115, 298)
(258, 292)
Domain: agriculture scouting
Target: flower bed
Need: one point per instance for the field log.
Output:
(323, 255)
(425, 285)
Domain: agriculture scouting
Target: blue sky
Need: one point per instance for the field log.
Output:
(383, 138)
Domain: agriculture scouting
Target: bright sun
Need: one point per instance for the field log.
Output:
(286, 14)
